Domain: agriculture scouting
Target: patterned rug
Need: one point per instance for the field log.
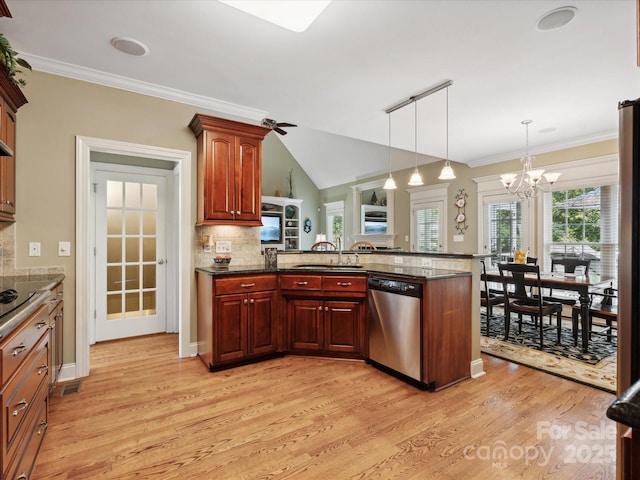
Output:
(596, 368)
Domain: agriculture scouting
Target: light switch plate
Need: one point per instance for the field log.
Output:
(64, 249)
(223, 246)
(427, 262)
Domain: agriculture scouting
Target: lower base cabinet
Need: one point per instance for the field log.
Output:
(323, 327)
(237, 319)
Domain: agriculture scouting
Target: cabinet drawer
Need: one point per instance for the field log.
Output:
(35, 430)
(19, 396)
(300, 282)
(344, 283)
(18, 344)
(225, 286)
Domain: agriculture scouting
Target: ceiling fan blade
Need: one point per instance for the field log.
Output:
(279, 130)
(285, 124)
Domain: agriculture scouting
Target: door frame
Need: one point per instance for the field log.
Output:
(178, 245)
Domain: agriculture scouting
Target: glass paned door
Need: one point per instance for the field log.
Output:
(428, 227)
(129, 255)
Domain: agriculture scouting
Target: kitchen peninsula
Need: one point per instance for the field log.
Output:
(312, 305)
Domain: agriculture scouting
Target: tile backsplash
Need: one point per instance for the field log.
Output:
(245, 244)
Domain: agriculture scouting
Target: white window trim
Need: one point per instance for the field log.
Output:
(334, 209)
(591, 171)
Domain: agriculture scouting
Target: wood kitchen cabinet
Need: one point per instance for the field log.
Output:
(11, 98)
(324, 314)
(56, 316)
(446, 331)
(229, 171)
(24, 393)
(237, 319)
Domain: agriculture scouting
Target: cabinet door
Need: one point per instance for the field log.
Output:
(219, 176)
(248, 180)
(8, 164)
(304, 318)
(341, 326)
(55, 343)
(230, 327)
(263, 334)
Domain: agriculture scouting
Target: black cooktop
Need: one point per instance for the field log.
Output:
(12, 298)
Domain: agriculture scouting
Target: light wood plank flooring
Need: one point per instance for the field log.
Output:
(146, 414)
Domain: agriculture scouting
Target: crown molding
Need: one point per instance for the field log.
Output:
(68, 70)
(541, 149)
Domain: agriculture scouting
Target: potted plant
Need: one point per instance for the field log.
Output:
(9, 57)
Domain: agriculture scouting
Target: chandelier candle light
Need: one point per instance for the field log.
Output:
(529, 183)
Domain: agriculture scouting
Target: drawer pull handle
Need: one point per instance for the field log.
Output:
(43, 427)
(247, 285)
(302, 283)
(23, 404)
(344, 284)
(41, 324)
(22, 476)
(19, 349)
(43, 369)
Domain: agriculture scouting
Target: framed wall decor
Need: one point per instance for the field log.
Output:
(461, 216)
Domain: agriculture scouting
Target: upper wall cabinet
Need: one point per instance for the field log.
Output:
(11, 99)
(229, 171)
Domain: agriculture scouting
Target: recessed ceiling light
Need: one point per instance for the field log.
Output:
(295, 15)
(556, 18)
(130, 46)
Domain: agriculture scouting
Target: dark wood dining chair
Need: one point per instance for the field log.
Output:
(603, 313)
(569, 264)
(522, 303)
(487, 299)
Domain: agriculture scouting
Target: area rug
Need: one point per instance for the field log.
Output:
(596, 368)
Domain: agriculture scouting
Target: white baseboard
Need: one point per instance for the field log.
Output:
(477, 368)
(67, 373)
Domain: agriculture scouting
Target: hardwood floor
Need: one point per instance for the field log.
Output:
(146, 414)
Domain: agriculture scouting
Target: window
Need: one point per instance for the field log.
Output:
(428, 227)
(504, 228)
(583, 222)
(335, 220)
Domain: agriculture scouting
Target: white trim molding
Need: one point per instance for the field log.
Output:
(181, 268)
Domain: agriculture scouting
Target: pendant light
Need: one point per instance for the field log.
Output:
(447, 171)
(390, 184)
(416, 178)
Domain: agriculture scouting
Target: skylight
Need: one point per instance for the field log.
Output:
(295, 15)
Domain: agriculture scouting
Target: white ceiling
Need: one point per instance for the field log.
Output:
(336, 79)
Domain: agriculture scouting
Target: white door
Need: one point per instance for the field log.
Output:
(130, 254)
(428, 227)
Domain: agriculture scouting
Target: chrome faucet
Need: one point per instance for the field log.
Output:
(339, 248)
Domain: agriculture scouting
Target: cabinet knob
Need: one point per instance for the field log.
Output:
(251, 301)
(245, 301)
(320, 308)
(326, 309)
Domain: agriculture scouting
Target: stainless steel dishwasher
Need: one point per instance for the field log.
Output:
(394, 325)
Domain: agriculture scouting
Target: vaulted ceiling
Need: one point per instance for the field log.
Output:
(336, 79)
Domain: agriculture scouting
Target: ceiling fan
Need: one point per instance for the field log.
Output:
(273, 125)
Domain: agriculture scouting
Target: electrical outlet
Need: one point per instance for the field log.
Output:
(223, 246)
(34, 249)
(397, 260)
(398, 270)
(427, 262)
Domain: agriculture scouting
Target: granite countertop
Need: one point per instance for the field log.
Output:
(419, 273)
(37, 286)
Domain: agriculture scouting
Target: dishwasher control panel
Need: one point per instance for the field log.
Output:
(400, 287)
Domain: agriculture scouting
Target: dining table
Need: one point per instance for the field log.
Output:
(580, 283)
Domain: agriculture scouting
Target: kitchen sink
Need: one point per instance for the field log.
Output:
(316, 266)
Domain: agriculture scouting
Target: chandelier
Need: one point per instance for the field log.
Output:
(531, 181)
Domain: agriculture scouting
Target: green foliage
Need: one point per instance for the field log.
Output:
(576, 216)
(9, 58)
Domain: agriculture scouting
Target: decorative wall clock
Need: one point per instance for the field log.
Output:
(461, 216)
